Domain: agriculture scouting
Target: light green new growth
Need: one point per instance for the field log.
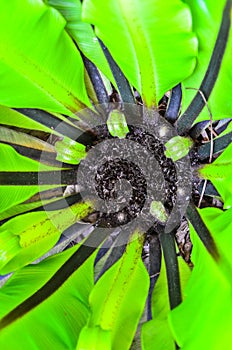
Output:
(178, 147)
(69, 151)
(117, 125)
(158, 211)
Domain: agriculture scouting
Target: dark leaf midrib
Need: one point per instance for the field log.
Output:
(57, 280)
(187, 118)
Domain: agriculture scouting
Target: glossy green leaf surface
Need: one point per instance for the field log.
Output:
(11, 117)
(142, 32)
(25, 238)
(207, 16)
(56, 322)
(40, 66)
(38, 200)
(82, 33)
(220, 174)
(94, 338)
(123, 287)
(12, 161)
(156, 334)
(204, 319)
(22, 139)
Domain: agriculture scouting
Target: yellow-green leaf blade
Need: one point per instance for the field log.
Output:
(39, 64)
(143, 30)
(123, 287)
(82, 33)
(25, 238)
(12, 161)
(204, 319)
(59, 318)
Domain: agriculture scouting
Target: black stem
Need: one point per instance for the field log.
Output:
(58, 204)
(54, 123)
(197, 129)
(202, 231)
(174, 103)
(119, 247)
(210, 190)
(48, 158)
(57, 280)
(96, 80)
(61, 203)
(154, 269)
(172, 270)
(186, 120)
(30, 178)
(121, 81)
(219, 144)
(103, 250)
